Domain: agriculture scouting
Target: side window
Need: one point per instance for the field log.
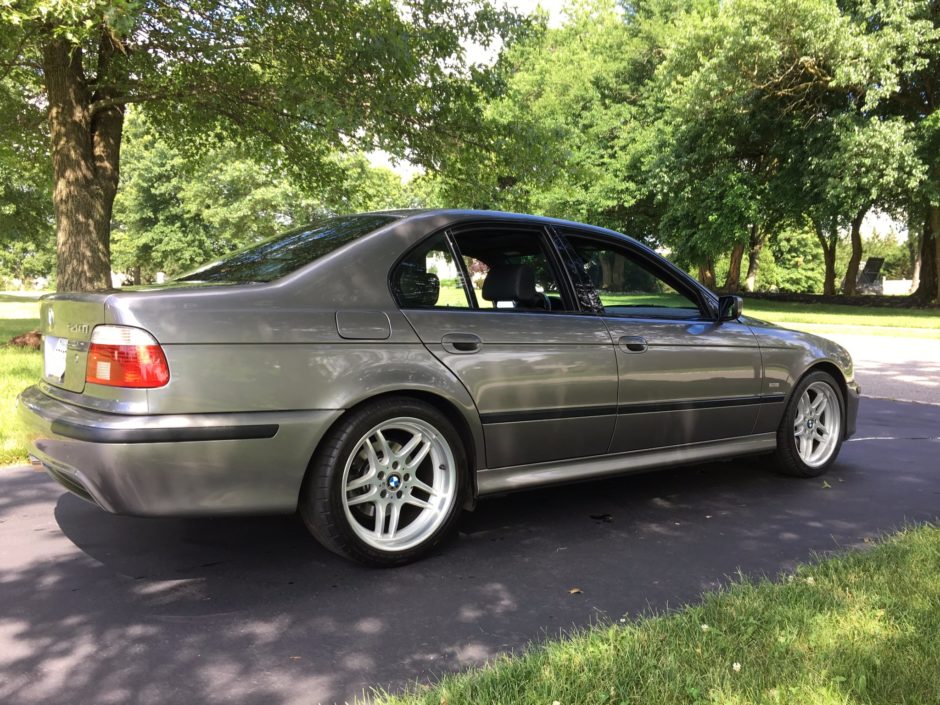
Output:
(510, 269)
(627, 286)
(430, 278)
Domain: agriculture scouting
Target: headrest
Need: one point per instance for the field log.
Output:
(510, 282)
(418, 288)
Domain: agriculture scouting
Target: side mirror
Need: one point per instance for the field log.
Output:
(730, 308)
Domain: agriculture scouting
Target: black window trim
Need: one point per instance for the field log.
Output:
(655, 265)
(464, 274)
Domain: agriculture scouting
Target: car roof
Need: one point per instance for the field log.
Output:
(457, 215)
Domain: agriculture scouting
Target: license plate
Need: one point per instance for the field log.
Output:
(55, 352)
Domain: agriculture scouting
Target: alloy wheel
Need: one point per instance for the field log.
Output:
(399, 484)
(818, 424)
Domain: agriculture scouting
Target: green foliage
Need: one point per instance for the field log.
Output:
(290, 85)
(687, 123)
(311, 77)
(177, 210)
(798, 262)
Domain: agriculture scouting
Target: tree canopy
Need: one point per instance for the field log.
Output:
(708, 127)
(307, 78)
(729, 132)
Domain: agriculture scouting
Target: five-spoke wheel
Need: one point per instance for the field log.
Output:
(818, 424)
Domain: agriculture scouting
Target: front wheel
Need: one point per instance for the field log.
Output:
(812, 429)
(386, 486)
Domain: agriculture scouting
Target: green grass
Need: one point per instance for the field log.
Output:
(859, 628)
(837, 315)
(20, 368)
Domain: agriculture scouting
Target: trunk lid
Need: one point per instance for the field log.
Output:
(66, 322)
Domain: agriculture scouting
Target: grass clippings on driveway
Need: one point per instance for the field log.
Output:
(859, 628)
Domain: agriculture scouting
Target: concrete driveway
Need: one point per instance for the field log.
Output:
(102, 609)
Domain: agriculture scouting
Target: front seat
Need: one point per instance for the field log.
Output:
(513, 282)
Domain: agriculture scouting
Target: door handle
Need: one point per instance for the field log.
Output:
(461, 343)
(633, 344)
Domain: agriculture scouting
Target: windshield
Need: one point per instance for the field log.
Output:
(282, 254)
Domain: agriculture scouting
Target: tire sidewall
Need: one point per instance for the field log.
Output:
(791, 462)
(345, 439)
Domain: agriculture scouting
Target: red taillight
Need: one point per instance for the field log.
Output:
(120, 356)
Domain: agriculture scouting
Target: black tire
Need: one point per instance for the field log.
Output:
(322, 499)
(787, 459)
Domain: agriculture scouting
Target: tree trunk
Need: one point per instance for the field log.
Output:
(935, 228)
(706, 273)
(927, 290)
(913, 246)
(733, 280)
(85, 159)
(756, 244)
(851, 274)
(828, 245)
(829, 281)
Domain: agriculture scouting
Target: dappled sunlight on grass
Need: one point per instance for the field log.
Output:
(19, 368)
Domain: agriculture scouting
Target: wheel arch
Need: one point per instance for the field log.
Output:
(458, 418)
(834, 371)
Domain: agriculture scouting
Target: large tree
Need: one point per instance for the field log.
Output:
(311, 76)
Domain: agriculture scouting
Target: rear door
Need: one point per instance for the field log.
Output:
(683, 377)
(489, 303)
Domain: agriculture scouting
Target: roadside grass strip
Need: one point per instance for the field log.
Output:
(863, 627)
(19, 368)
(842, 315)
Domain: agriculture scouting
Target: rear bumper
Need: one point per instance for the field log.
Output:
(851, 408)
(175, 465)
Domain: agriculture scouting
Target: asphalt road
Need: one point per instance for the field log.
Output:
(102, 609)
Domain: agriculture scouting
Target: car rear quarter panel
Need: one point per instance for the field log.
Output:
(253, 355)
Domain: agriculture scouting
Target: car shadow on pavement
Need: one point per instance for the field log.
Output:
(101, 608)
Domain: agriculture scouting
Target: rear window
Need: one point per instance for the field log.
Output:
(282, 254)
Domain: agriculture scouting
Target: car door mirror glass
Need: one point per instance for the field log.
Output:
(730, 308)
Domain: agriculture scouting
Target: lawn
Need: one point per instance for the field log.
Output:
(836, 316)
(860, 628)
(20, 367)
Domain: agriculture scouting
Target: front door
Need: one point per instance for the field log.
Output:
(683, 377)
(489, 305)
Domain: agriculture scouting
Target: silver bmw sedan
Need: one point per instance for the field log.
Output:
(379, 372)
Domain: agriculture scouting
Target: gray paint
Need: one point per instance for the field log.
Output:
(304, 349)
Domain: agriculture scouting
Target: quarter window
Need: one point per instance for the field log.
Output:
(429, 277)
